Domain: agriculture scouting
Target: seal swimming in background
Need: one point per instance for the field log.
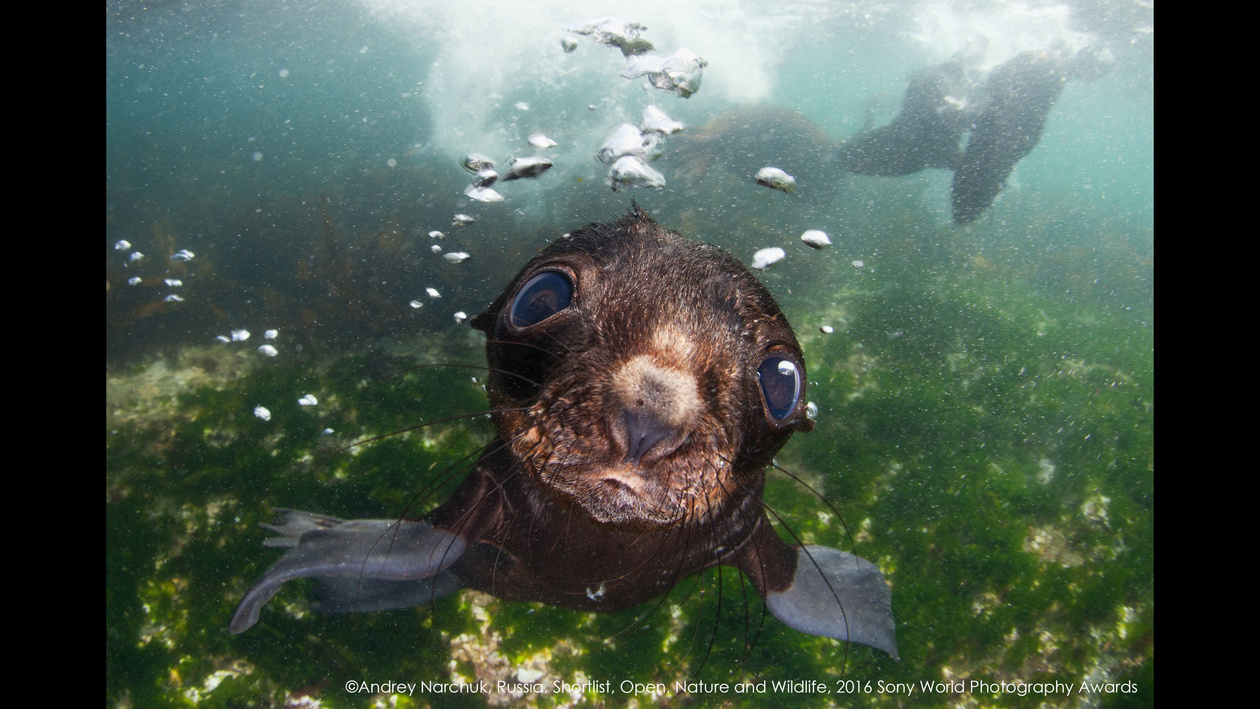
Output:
(641, 384)
(1017, 99)
(925, 133)
(1003, 119)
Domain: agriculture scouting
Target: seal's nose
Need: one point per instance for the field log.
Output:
(644, 430)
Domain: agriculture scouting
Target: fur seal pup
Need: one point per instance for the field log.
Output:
(642, 383)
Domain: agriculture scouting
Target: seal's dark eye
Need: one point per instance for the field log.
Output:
(544, 295)
(780, 384)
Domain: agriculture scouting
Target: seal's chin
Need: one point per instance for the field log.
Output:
(622, 496)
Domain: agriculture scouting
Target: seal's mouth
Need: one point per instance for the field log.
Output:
(621, 496)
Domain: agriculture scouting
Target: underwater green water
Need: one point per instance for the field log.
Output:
(986, 397)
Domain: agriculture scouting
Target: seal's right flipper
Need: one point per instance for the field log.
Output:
(381, 557)
(837, 595)
(353, 595)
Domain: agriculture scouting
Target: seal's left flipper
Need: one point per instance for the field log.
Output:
(375, 555)
(837, 595)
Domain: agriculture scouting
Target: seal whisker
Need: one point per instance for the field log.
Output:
(843, 523)
(480, 367)
(834, 594)
(383, 436)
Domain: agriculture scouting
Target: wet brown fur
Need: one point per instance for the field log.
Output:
(555, 512)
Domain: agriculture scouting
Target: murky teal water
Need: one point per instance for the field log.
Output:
(985, 399)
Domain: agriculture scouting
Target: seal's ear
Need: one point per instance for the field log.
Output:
(484, 322)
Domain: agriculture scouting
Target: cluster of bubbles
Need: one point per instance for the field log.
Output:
(628, 149)
(135, 258)
(484, 174)
(677, 73)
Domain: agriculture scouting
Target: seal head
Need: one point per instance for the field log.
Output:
(656, 375)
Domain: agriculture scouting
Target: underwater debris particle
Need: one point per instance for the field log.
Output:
(182, 255)
(568, 44)
(460, 317)
(417, 304)
(857, 263)
(172, 298)
(270, 334)
(122, 245)
(173, 282)
(764, 258)
(1046, 471)
(262, 413)
(135, 256)
(460, 220)
(308, 400)
(240, 335)
(811, 410)
(435, 234)
(521, 106)
(826, 329)
(1095, 509)
(135, 281)
(436, 248)
(528, 676)
(268, 350)
(457, 256)
(221, 338)
(433, 292)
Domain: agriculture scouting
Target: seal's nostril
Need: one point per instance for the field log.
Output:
(643, 430)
